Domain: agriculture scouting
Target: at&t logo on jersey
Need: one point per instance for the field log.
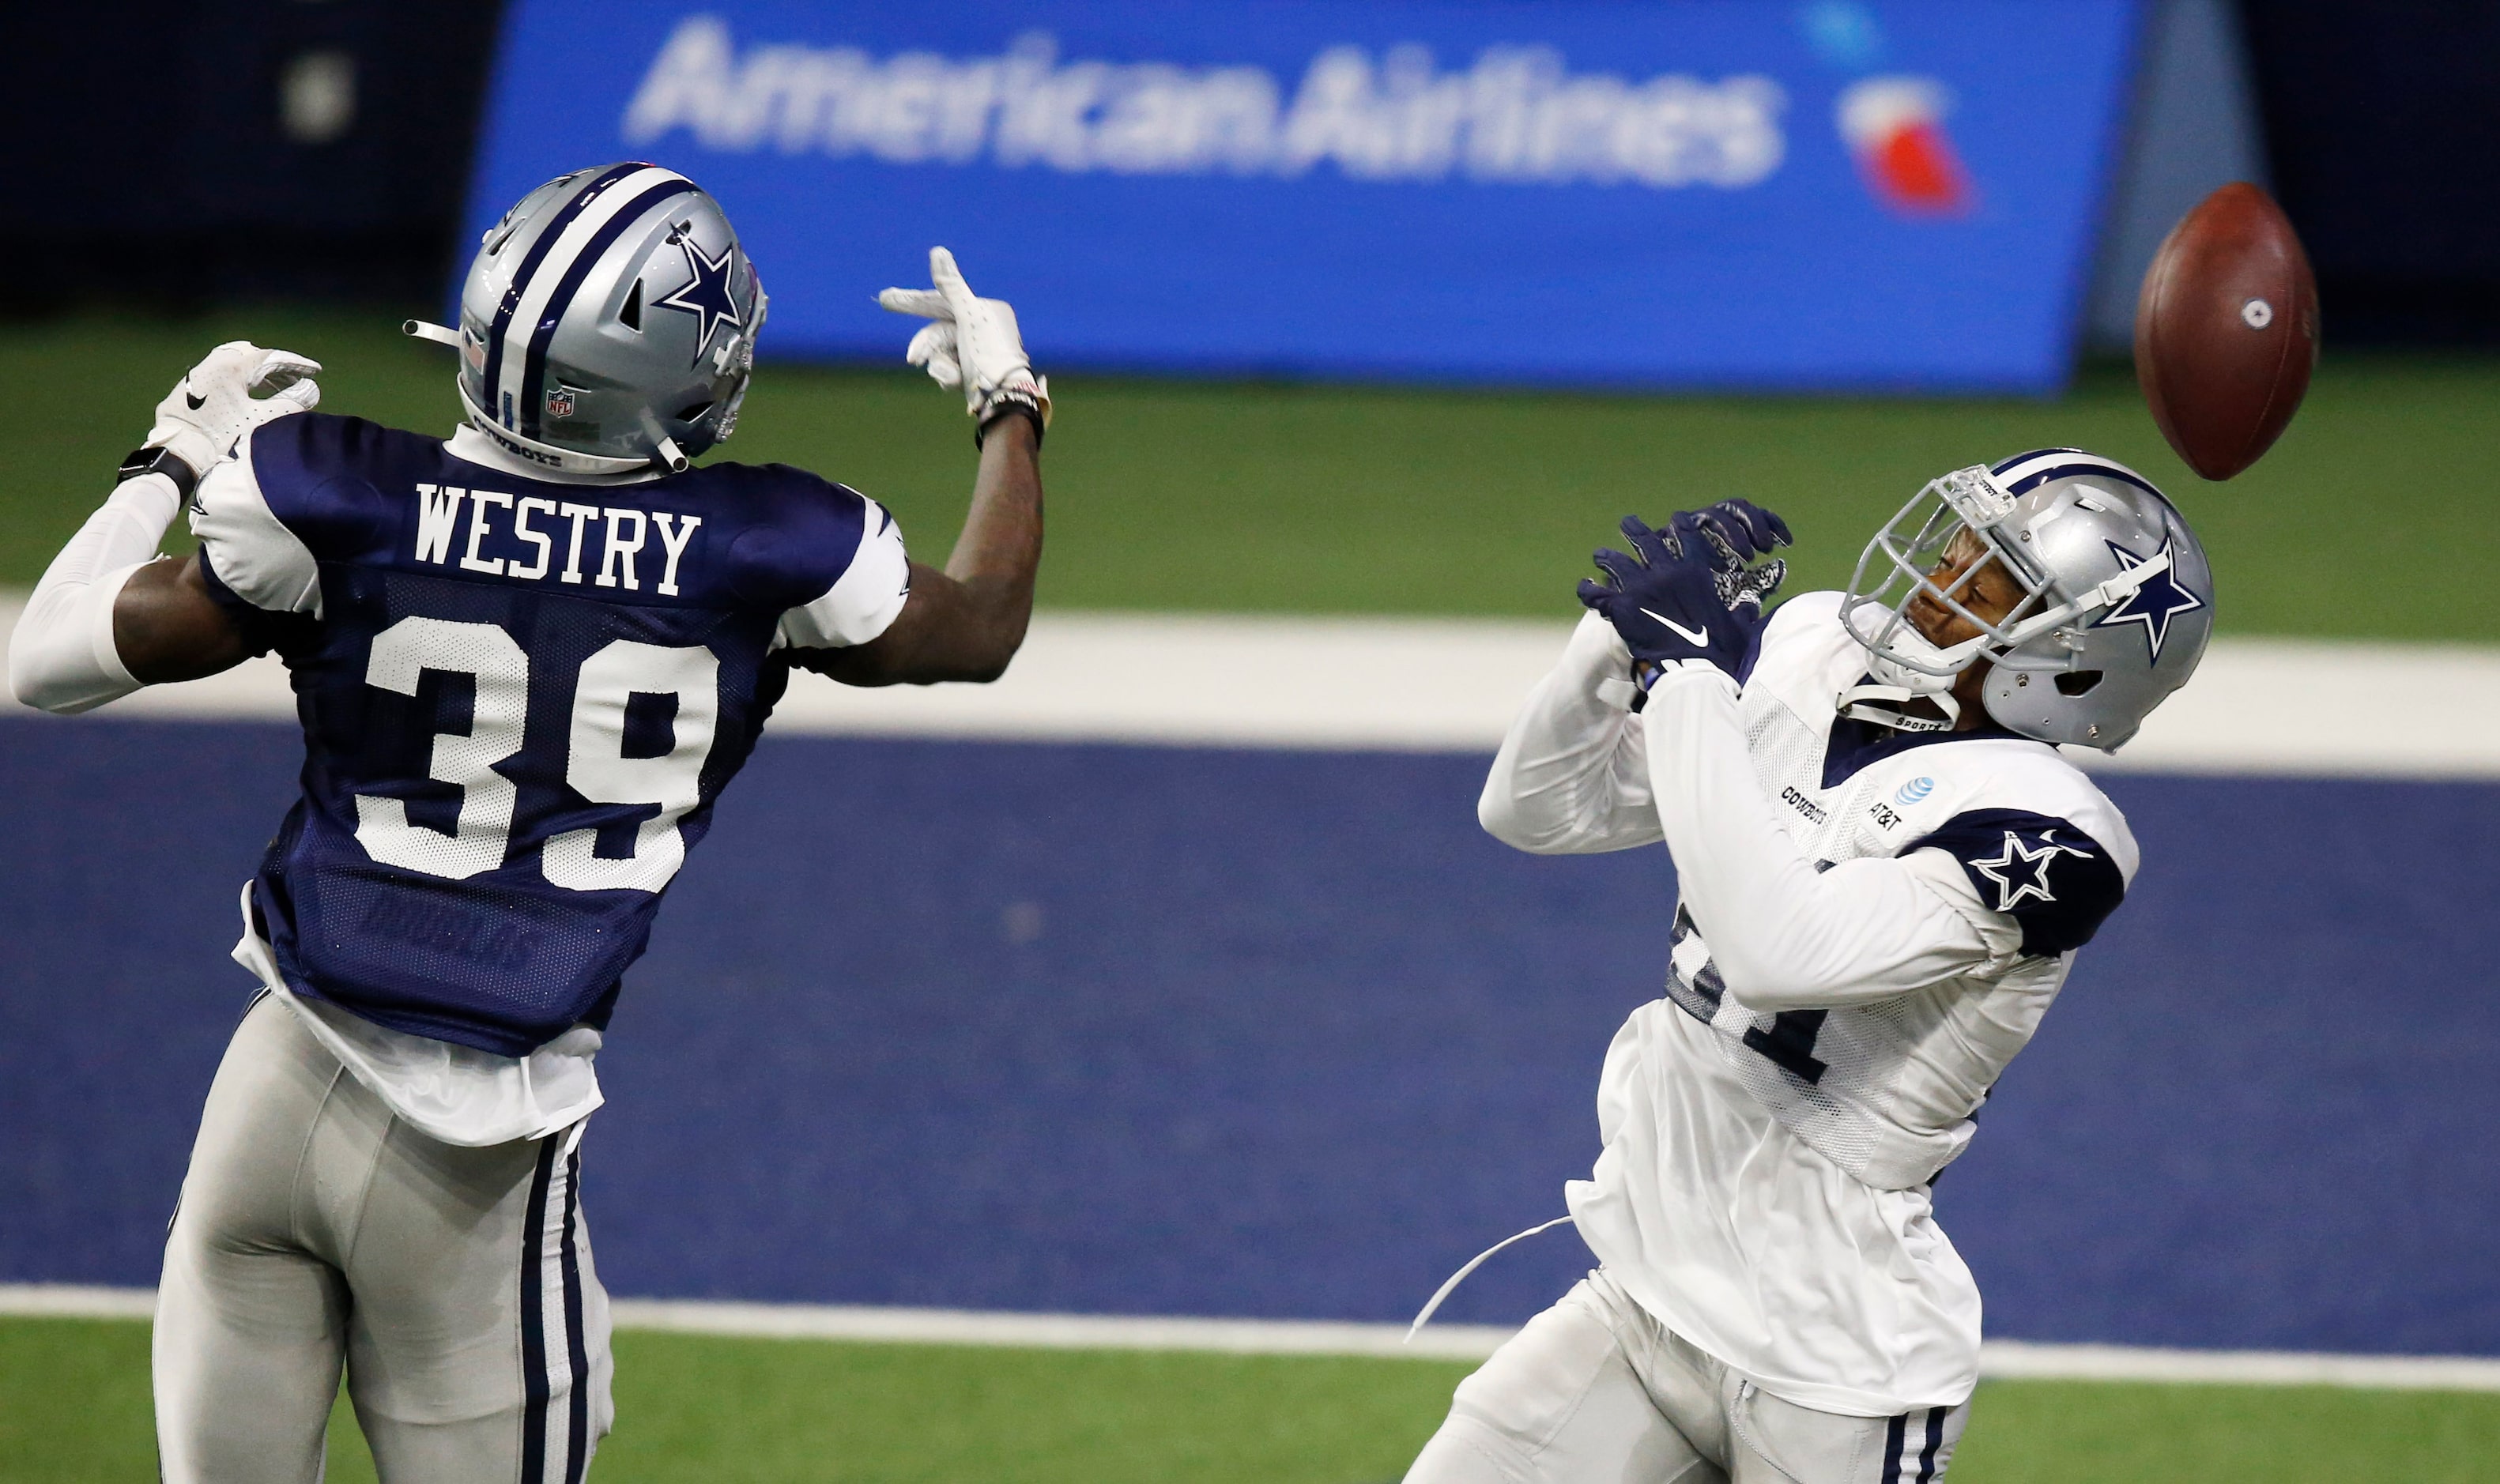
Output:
(1914, 791)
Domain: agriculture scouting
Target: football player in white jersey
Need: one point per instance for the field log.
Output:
(527, 659)
(1886, 869)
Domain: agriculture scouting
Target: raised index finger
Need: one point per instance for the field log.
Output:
(949, 280)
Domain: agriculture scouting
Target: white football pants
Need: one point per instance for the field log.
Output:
(316, 1230)
(1595, 1391)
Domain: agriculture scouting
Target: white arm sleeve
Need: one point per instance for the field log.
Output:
(61, 657)
(1572, 777)
(1784, 934)
(864, 600)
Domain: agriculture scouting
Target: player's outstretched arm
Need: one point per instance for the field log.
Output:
(967, 622)
(109, 616)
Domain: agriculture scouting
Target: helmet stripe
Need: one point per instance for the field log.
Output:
(2098, 466)
(532, 388)
(539, 249)
(1997, 470)
(531, 303)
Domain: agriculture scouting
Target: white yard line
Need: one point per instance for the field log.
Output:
(2015, 1360)
(76, 1301)
(2009, 1359)
(2263, 706)
(1060, 1331)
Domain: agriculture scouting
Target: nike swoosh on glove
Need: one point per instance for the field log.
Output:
(1668, 597)
(212, 406)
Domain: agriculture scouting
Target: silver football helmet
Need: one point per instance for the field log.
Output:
(2118, 599)
(608, 323)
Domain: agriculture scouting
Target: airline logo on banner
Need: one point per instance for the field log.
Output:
(1514, 115)
(1896, 129)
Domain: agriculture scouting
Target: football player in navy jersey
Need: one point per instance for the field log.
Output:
(527, 660)
(1885, 870)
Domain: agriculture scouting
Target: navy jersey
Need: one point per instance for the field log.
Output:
(520, 699)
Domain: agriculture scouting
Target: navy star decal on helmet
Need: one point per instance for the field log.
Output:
(706, 295)
(564, 360)
(2102, 633)
(2151, 604)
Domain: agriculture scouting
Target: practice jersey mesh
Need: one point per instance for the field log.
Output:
(1886, 1090)
(519, 699)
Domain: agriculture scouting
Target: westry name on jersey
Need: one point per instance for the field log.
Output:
(624, 533)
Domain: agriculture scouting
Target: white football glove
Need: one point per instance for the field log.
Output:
(201, 419)
(969, 342)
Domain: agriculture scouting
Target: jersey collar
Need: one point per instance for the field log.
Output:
(1855, 746)
(471, 447)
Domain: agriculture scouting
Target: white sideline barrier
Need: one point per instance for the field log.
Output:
(2258, 705)
(2001, 1360)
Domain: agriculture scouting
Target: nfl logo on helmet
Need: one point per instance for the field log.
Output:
(559, 402)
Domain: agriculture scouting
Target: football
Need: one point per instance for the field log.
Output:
(2227, 330)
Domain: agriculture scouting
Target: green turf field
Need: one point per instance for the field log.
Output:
(1338, 500)
(74, 1406)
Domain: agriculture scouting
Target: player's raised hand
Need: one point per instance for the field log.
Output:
(971, 343)
(1749, 530)
(1669, 597)
(1737, 531)
(212, 406)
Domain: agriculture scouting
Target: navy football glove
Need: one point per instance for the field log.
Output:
(1749, 530)
(1685, 592)
(1737, 531)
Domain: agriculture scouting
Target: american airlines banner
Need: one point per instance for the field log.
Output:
(1835, 194)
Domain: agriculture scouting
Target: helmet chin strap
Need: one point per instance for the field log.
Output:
(1891, 686)
(1883, 706)
(553, 457)
(665, 453)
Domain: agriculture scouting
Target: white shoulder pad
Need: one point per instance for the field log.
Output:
(249, 548)
(865, 600)
(2032, 777)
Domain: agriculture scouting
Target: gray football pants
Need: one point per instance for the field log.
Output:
(318, 1230)
(1595, 1391)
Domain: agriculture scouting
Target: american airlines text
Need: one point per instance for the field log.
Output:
(1515, 117)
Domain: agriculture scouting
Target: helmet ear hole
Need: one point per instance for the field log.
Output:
(2077, 682)
(631, 313)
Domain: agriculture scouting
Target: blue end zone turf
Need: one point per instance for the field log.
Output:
(1278, 1034)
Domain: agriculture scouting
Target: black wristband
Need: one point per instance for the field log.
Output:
(164, 461)
(1012, 407)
